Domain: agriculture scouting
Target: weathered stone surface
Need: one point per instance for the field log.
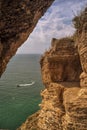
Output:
(52, 108)
(17, 20)
(64, 102)
(75, 103)
(81, 41)
(61, 62)
(75, 98)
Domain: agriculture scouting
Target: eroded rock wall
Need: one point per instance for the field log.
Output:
(61, 62)
(74, 94)
(80, 23)
(17, 20)
(64, 102)
(62, 107)
(52, 108)
(75, 103)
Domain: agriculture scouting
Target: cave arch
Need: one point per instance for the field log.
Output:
(17, 20)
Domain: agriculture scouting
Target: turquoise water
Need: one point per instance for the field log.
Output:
(17, 103)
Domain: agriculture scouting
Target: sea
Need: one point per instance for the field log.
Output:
(19, 102)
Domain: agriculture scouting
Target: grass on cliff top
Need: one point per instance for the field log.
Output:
(80, 20)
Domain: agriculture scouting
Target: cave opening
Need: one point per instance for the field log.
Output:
(18, 103)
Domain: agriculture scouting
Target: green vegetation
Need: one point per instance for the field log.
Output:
(80, 20)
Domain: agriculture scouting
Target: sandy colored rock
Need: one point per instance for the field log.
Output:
(51, 107)
(64, 99)
(81, 41)
(62, 106)
(61, 62)
(75, 102)
(64, 102)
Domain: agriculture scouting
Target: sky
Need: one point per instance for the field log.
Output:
(56, 23)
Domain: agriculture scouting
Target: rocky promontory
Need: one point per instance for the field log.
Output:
(64, 75)
(63, 105)
(61, 62)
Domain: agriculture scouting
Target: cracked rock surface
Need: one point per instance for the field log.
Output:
(17, 20)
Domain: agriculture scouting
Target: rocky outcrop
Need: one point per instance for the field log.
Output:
(75, 103)
(62, 105)
(61, 62)
(80, 23)
(17, 20)
(64, 100)
(52, 108)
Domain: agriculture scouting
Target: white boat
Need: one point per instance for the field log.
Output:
(24, 85)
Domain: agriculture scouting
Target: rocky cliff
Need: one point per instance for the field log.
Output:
(62, 107)
(61, 62)
(80, 23)
(17, 20)
(64, 74)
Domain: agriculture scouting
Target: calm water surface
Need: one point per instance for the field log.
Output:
(17, 103)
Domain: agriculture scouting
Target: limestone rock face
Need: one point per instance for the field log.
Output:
(62, 106)
(52, 109)
(75, 103)
(81, 41)
(17, 20)
(64, 102)
(61, 62)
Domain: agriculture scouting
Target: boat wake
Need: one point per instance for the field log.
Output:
(24, 85)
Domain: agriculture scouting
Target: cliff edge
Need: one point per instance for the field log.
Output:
(64, 74)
